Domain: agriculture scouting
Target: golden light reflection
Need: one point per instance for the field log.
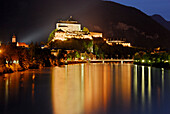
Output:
(6, 91)
(33, 87)
(66, 96)
(33, 77)
(122, 85)
(86, 90)
(163, 81)
(105, 87)
(143, 86)
(126, 85)
(82, 85)
(149, 85)
(135, 82)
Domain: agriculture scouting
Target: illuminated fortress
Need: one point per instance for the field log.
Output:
(72, 29)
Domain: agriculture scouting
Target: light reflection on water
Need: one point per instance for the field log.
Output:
(149, 86)
(87, 89)
(83, 90)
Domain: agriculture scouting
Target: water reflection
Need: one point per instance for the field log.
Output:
(87, 89)
(122, 86)
(66, 95)
(104, 88)
(143, 86)
(80, 90)
(6, 91)
(135, 83)
(18, 92)
(149, 86)
(162, 83)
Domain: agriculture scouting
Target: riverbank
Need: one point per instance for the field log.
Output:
(157, 65)
(16, 67)
(10, 68)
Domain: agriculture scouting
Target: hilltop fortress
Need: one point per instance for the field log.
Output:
(72, 29)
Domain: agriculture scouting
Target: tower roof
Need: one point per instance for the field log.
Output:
(70, 20)
(13, 36)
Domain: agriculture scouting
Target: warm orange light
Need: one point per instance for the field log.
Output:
(0, 51)
(33, 76)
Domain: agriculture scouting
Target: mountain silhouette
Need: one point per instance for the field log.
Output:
(117, 21)
(161, 21)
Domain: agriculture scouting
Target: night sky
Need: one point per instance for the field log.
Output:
(150, 7)
(33, 20)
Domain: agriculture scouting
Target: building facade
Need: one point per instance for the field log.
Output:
(72, 29)
(118, 42)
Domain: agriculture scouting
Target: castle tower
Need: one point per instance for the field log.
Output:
(13, 39)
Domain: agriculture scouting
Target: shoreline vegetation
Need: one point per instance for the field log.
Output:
(17, 68)
(72, 51)
(159, 60)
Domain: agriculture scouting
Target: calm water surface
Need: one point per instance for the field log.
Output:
(87, 89)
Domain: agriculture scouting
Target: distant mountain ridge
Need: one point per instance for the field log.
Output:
(117, 21)
(161, 21)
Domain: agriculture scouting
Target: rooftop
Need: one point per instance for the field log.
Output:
(70, 20)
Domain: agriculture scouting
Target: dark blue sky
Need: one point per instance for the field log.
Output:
(150, 7)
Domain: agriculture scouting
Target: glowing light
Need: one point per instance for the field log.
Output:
(14, 61)
(0, 51)
(163, 81)
(33, 76)
(82, 58)
(166, 61)
(143, 61)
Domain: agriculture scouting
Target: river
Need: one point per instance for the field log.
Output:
(91, 88)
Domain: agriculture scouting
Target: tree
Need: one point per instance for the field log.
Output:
(31, 51)
(52, 35)
(2, 60)
(86, 30)
(90, 47)
(42, 43)
(96, 48)
(77, 54)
